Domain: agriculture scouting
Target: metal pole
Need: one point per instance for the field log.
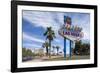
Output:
(70, 49)
(64, 47)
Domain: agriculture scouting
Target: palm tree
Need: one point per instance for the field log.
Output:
(50, 35)
(53, 48)
(57, 47)
(46, 45)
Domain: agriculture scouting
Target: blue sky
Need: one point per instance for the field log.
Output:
(34, 24)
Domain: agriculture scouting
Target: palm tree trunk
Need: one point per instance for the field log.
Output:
(46, 51)
(50, 49)
(57, 51)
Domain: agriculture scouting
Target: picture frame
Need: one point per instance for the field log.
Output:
(19, 10)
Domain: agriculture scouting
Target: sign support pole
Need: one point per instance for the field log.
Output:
(64, 47)
(70, 48)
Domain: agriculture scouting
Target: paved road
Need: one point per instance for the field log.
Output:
(53, 58)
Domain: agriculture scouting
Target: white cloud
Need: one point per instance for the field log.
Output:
(57, 40)
(32, 45)
(39, 18)
(28, 37)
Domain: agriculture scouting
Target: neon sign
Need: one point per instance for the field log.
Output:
(69, 31)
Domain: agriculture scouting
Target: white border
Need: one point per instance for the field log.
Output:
(53, 63)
